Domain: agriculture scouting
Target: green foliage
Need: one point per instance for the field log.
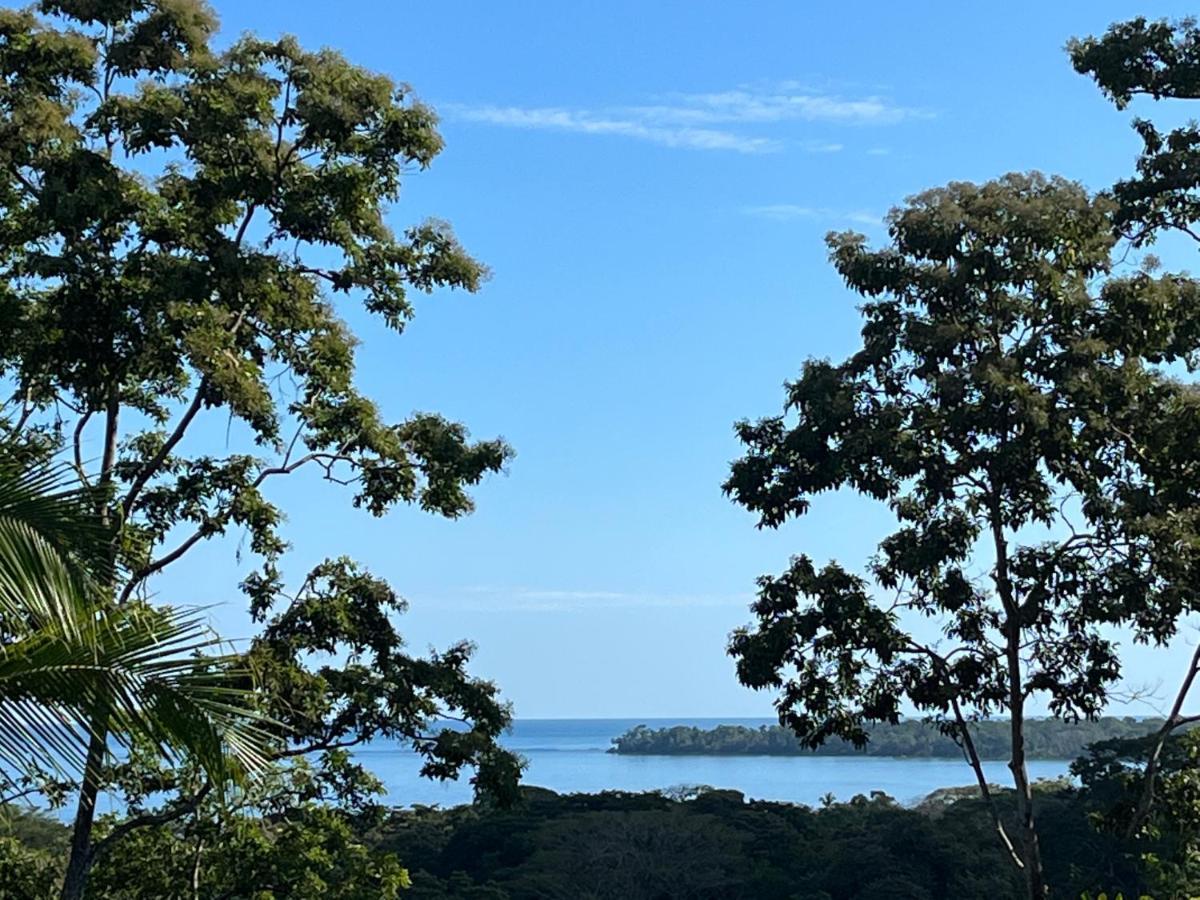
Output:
(288, 834)
(1166, 845)
(176, 245)
(293, 838)
(715, 844)
(32, 852)
(1159, 60)
(27, 873)
(191, 280)
(183, 233)
(1044, 739)
(367, 685)
(1001, 407)
(295, 849)
(294, 831)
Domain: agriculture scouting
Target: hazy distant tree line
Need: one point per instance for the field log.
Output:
(1045, 739)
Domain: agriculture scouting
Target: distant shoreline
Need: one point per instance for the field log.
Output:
(1045, 738)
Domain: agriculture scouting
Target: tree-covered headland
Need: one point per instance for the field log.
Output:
(1045, 739)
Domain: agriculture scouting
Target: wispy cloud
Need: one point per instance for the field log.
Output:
(788, 102)
(822, 146)
(722, 120)
(787, 212)
(589, 122)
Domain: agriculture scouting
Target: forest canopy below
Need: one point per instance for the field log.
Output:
(1045, 739)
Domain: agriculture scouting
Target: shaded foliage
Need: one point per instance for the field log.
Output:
(676, 845)
(1159, 60)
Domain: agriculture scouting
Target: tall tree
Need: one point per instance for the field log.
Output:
(998, 406)
(1156, 60)
(178, 229)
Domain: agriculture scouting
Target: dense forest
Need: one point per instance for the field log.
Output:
(715, 844)
(1045, 739)
(695, 844)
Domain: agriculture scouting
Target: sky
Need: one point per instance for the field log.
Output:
(649, 184)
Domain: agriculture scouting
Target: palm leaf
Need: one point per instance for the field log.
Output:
(53, 547)
(141, 673)
(74, 666)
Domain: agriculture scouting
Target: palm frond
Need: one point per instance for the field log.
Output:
(53, 548)
(137, 673)
(75, 666)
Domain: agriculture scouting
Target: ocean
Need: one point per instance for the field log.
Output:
(568, 756)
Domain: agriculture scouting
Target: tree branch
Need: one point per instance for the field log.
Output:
(150, 469)
(77, 442)
(971, 754)
(1173, 721)
(161, 563)
(148, 819)
(972, 757)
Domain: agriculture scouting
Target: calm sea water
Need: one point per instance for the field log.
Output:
(568, 755)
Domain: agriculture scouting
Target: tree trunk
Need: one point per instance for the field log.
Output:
(1031, 853)
(1035, 878)
(82, 853)
(80, 860)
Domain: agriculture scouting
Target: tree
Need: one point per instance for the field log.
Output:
(999, 406)
(1158, 60)
(178, 228)
(1166, 848)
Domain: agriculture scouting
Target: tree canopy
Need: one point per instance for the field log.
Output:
(999, 405)
(1158, 60)
(183, 230)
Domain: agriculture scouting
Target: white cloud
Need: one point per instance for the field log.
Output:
(785, 103)
(786, 212)
(822, 146)
(585, 122)
(707, 121)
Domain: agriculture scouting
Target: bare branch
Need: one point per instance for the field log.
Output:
(161, 563)
(971, 754)
(1174, 720)
(77, 443)
(972, 757)
(150, 469)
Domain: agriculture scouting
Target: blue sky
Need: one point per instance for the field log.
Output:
(650, 183)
